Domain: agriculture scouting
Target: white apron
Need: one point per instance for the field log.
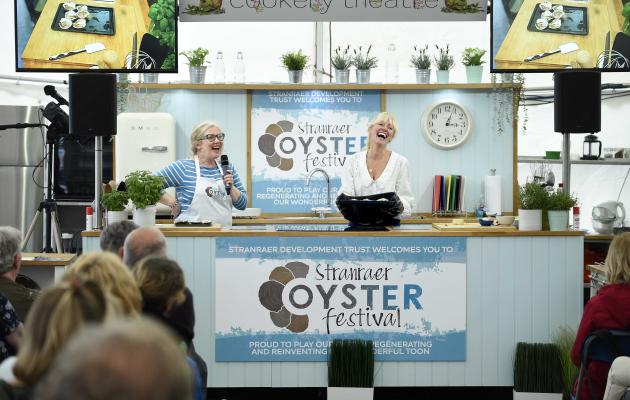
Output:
(209, 203)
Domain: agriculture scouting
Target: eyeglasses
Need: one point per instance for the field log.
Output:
(212, 137)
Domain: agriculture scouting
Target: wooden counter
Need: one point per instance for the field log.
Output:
(46, 268)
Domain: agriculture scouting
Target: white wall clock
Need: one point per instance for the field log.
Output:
(446, 125)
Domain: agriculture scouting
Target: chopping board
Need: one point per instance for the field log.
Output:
(473, 226)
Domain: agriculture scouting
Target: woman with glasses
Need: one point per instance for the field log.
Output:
(200, 183)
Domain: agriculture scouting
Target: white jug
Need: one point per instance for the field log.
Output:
(616, 207)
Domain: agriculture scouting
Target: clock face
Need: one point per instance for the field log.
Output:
(446, 125)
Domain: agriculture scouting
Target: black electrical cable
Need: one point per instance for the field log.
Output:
(41, 162)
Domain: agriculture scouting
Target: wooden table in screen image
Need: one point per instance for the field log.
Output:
(46, 268)
(519, 43)
(130, 16)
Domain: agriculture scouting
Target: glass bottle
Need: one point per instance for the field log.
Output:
(481, 207)
(239, 68)
(391, 64)
(219, 69)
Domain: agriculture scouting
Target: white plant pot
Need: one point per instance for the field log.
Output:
(529, 220)
(442, 76)
(349, 393)
(558, 220)
(116, 216)
(535, 396)
(144, 216)
(473, 73)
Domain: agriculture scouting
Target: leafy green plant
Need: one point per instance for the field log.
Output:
(537, 368)
(564, 339)
(532, 196)
(421, 59)
(472, 56)
(196, 57)
(560, 201)
(294, 60)
(115, 201)
(342, 58)
(351, 363)
(144, 189)
(364, 61)
(444, 60)
(163, 25)
(460, 6)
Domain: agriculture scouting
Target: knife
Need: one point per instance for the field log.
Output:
(89, 48)
(564, 48)
(606, 49)
(134, 49)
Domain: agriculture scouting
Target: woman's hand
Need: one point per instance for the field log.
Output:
(176, 209)
(228, 180)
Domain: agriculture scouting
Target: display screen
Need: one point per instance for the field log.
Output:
(549, 36)
(107, 35)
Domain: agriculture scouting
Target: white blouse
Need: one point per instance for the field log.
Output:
(357, 181)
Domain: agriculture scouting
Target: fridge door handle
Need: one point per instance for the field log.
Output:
(155, 149)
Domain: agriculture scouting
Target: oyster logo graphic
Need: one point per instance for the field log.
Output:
(270, 296)
(267, 145)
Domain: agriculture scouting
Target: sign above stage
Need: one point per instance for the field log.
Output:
(332, 10)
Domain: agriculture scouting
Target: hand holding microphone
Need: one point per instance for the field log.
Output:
(227, 174)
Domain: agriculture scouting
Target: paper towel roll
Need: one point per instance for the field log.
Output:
(492, 189)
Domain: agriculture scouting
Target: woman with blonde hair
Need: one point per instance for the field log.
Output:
(114, 278)
(609, 309)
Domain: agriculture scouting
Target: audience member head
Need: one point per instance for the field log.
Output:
(143, 242)
(58, 313)
(108, 271)
(161, 282)
(10, 254)
(114, 235)
(122, 360)
(618, 259)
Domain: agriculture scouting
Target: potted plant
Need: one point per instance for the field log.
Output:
(342, 61)
(163, 26)
(364, 63)
(422, 62)
(532, 199)
(144, 190)
(196, 60)
(471, 58)
(294, 62)
(351, 370)
(115, 203)
(537, 372)
(558, 206)
(564, 339)
(444, 62)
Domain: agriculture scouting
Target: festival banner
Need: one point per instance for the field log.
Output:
(286, 298)
(332, 10)
(294, 132)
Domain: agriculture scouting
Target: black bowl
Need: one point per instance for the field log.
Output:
(374, 210)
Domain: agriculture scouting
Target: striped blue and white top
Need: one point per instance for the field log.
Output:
(182, 176)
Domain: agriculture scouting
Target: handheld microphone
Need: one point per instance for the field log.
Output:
(52, 92)
(225, 166)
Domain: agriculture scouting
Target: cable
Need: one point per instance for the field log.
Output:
(41, 162)
(622, 185)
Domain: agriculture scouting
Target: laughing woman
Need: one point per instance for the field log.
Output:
(378, 169)
(200, 184)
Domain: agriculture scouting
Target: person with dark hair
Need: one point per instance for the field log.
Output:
(20, 296)
(122, 360)
(113, 236)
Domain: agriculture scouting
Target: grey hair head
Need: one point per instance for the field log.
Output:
(114, 235)
(10, 240)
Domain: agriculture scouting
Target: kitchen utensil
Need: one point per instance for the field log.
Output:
(89, 48)
(615, 209)
(564, 49)
(606, 49)
(603, 220)
(505, 219)
(134, 49)
(590, 144)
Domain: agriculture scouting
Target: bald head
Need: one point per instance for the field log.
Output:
(143, 242)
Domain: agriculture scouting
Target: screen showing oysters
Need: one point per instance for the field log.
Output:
(556, 18)
(76, 17)
(550, 17)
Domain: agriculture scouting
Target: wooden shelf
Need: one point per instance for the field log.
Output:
(322, 86)
(605, 161)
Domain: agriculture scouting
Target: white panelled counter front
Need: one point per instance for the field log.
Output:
(471, 296)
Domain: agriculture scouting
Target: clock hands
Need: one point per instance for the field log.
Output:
(449, 117)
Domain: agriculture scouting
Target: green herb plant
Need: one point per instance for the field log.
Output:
(163, 25)
(564, 339)
(363, 61)
(420, 59)
(561, 201)
(342, 59)
(196, 57)
(115, 201)
(144, 189)
(533, 196)
(472, 56)
(537, 368)
(294, 60)
(205, 7)
(461, 7)
(443, 60)
(351, 363)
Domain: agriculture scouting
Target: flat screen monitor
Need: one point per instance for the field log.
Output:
(96, 35)
(550, 36)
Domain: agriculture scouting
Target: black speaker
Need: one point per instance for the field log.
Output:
(577, 101)
(92, 104)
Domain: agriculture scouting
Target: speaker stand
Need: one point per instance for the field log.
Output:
(566, 162)
(98, 177)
